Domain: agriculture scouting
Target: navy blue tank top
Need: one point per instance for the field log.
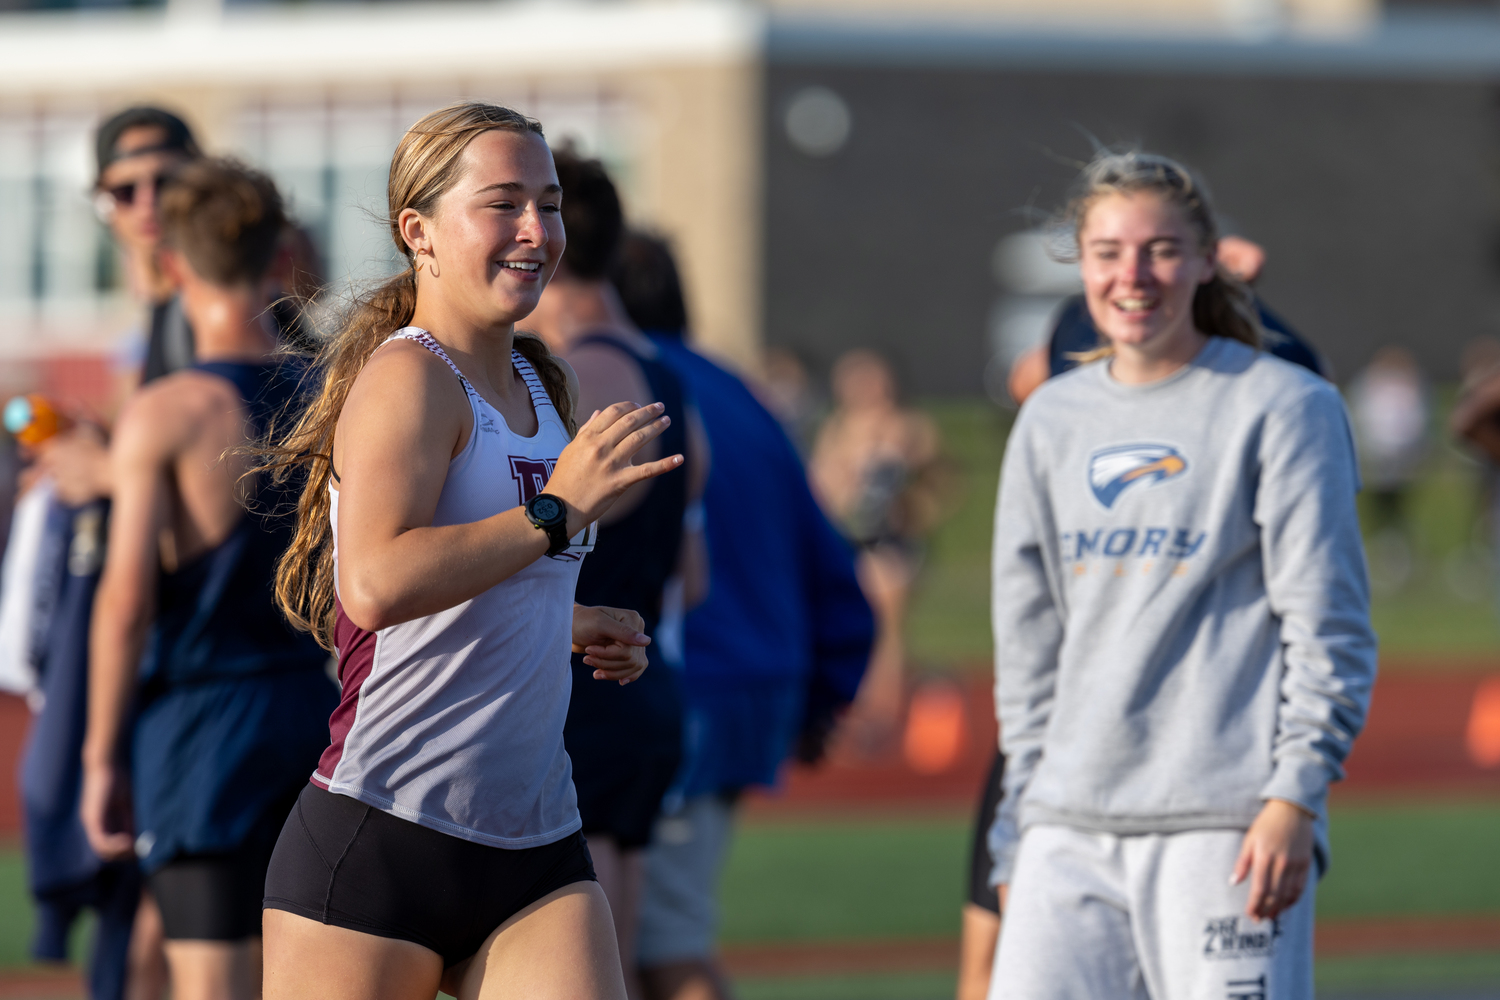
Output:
(626, 742)
(636, 555)
(234, 702)
(217, 615)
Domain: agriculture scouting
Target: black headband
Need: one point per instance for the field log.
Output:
(176, 137)
(161, 147)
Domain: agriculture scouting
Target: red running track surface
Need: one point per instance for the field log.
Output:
(1416, 742)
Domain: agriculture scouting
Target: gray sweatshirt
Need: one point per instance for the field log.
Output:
(1180, 603)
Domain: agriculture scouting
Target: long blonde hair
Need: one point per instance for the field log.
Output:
(1223, 307)
(426, 163)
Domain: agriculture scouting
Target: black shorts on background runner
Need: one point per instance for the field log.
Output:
(981, 893)
(217, 897)
(344, 863)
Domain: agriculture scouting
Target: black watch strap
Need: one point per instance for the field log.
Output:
(550, 514)
(557, 534)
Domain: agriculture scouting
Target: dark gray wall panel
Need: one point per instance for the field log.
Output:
(1374, 198)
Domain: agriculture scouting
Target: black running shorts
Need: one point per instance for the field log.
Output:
(211, 897)
(347, 864)
(217, 897)
(626, 746)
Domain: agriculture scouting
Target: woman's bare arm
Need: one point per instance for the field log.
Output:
(405, 418)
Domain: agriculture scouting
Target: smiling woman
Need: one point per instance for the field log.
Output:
(1146, 239)
(437, 844)
(1181, 619)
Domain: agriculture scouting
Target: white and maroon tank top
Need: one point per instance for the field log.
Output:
(455, 721)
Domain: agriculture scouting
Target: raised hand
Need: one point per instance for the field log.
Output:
(595, 468)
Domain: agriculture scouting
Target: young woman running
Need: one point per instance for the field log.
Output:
(438, 546)
(1183, 647)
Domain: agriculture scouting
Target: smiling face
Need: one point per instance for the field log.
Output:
(496, 235)
(1141, 263)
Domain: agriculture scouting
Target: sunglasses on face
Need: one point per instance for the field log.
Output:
(108, 200)
(124, 194)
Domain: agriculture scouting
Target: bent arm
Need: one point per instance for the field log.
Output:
(1028, 635)
(405, 419)
(1317, 585)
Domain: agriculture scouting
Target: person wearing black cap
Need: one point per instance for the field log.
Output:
(137, 149)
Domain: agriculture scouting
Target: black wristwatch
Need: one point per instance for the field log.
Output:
(550, 514)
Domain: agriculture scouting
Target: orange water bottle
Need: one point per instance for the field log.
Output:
(32, 419)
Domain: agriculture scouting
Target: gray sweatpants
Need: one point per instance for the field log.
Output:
(1098, 916)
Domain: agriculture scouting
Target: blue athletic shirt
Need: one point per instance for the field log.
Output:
(784, 635)
(234, 703)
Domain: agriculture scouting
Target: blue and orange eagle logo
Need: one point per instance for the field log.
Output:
(1114, 470)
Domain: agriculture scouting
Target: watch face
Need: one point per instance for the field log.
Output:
(546, 509)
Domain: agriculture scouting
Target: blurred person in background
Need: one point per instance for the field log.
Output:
(871, 468)
(787, 391)
(1175, 540)
(230, 703)
(625, 742)
(10, 483)
(66, 876)
(979, 917)
(1476, 414)
(771, 657)
(1475, 420)
(1074, 334)
(295, 281)
(136, 151)
(1389, 403)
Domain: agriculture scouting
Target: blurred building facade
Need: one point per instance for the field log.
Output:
(833, 172)
(319, 95)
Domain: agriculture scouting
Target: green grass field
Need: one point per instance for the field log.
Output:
(885, 986)
(803, 881)
(15, 909)
(849, 880)
(808, 881)
(1445, 610)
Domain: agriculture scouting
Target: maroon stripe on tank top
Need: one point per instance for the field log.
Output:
(356, 658)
